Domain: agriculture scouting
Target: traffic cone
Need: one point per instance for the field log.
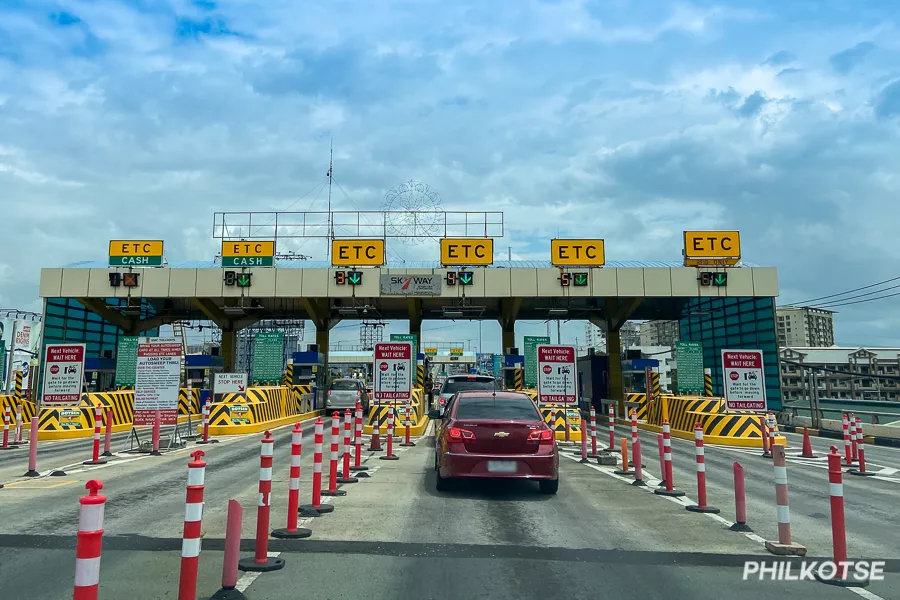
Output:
(807, 445)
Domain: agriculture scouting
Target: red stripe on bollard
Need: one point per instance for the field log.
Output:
(854, 440)
(333, 458)
(408, 424)
(845, 425)
(232, 552)
(261, 561)
(193, 518)
(348, 424)
(157, 426)
(357, 442)
(611, 418)
(784, 546)
(293, 506)
(667, 459)
(662, 461)
(638, 467)
(861, 455)
(316, 508)
(90, 542)
(593, 434)
(107, 441)
(95, 453)
(740, 501)
(206, 440)
(6, 445)
(700, 455)
(389, 455)
(634, 427)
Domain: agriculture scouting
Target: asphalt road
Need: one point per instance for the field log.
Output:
(394, 536)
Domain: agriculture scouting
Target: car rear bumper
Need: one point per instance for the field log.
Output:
(528, 466)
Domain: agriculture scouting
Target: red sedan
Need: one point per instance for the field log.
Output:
(495, 434)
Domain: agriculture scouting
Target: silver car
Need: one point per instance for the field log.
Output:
(460, 383)
(344, 393)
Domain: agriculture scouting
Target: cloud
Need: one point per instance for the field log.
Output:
(626, 121)
(845, 61)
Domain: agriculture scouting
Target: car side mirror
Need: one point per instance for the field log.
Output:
(434, 414)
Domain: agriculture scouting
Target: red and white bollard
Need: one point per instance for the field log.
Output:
(699, 454)
(348, 424)
(612, 429)
(854, 440)
(838, 526)
(157, 427)
(95, 454)
(764, 429)
(193, 517)
(634, 435)
(6, 416)
(740, 501)
(845, 425)
(90, 542)
(205, 420)
(107, 440)
(261, 561)
(232, 552)
(333, 462)
(20, 429)
(357, 443)
(293, 506)
(406, 434)
(389, 455)
(784, 546)
(662, 460)
(584, 454)
(667, 459)
(593, 416)
(861, 455)
(316, 508)
(375, 444)
(638, 467)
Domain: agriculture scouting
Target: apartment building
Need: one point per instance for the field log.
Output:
(852, 372)
(802, 326)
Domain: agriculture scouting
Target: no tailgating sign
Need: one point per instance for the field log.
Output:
(63, 373)
(745, 383)
(556, 374)
(393, 371)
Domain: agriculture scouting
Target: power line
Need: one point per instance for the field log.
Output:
(839, 300)
(859, 289)
(866, 300)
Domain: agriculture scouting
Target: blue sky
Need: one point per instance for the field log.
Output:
(626, 120)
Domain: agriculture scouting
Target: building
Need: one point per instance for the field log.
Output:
(629, 335)
(853, 373)
(802, 326)
(666, 357)
(659, 333)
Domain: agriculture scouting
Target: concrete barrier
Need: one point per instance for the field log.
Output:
(379, 413)
(257, 409)
(556, 415)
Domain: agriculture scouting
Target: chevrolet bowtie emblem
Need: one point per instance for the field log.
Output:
(501, 434)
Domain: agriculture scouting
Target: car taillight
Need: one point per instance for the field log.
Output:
(458, 435)
(544, 436)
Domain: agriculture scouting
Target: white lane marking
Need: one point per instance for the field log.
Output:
(687, 501)
(250, 576)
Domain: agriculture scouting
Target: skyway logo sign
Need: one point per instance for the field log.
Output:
(410, 285)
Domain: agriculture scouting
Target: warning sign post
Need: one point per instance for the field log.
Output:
(556, 374)
(744, 378)
(63, 373)
(157, 379)
(393, 371)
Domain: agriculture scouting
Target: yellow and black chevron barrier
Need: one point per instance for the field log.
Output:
(707, 383)
(27, 410)
(379, 413)
(255, 410)
(556, 415)
(288, 378)
(642, 408)
(188, 405)
(655, 385)
(519, 381)
(420, 376)
(302, 398)
(17, 391)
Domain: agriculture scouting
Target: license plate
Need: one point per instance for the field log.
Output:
(502, 466)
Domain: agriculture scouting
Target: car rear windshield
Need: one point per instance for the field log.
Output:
(501, 408)
(463, 385)
(343, 385)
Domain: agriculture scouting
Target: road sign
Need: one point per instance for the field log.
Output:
(689, 358)
(248, 253)
(556, 374)
(393, 371)
(348, 277)
(467, 251)
(412, 338)
(268, 356)
(432, 351)
(711, 248)
(577, 253)
(157, 379)
(357, 253)
(531, 344)
(63, 373)
(457, 351)
(126, 360)
(230, 383)
(410, 285)
(135, 253)
(745, 382)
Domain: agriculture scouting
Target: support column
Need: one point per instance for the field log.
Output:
(415, 322)
(509, 310)
(616, 385)
(229, 341)
(322, 337)
(508, 337)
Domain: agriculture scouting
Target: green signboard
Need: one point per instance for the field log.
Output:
(498, 361)
(126, 361)
(268, 356)
(135, 261)
(531, 344)
(412, 338)
(248, 261)
(689, 358)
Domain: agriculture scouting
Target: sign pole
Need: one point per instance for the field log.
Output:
(12, 355)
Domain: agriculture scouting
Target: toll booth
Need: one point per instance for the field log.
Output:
(513, 365)
(200, 370)
(99, 374)
(309, 370)
(592, 378)
(634, 373)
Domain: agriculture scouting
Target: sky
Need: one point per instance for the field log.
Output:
(623, 120)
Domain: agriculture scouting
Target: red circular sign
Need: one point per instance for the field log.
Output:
(54, 369)
(733, 375)
(383, 366)
(547, 369)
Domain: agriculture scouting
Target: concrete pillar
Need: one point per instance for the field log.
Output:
(322, 338)
(415, 328)
(229, 341)
(616, 386)
(508, 337)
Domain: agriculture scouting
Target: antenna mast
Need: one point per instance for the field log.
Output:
(330, 221)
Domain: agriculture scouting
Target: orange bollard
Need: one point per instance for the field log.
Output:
(624, 470)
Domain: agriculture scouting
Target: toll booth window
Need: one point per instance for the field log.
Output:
(504, 409)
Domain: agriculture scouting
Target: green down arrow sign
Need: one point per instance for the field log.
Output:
(466, 278)
(721, 279)
(355, 278)
(580, 278)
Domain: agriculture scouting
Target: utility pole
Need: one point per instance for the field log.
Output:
(330, 220)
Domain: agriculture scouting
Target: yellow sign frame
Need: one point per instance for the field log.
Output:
(711, 251)
(558, 245)
(339, 258)
(261, 248)
(451, 245)
(154, 248)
